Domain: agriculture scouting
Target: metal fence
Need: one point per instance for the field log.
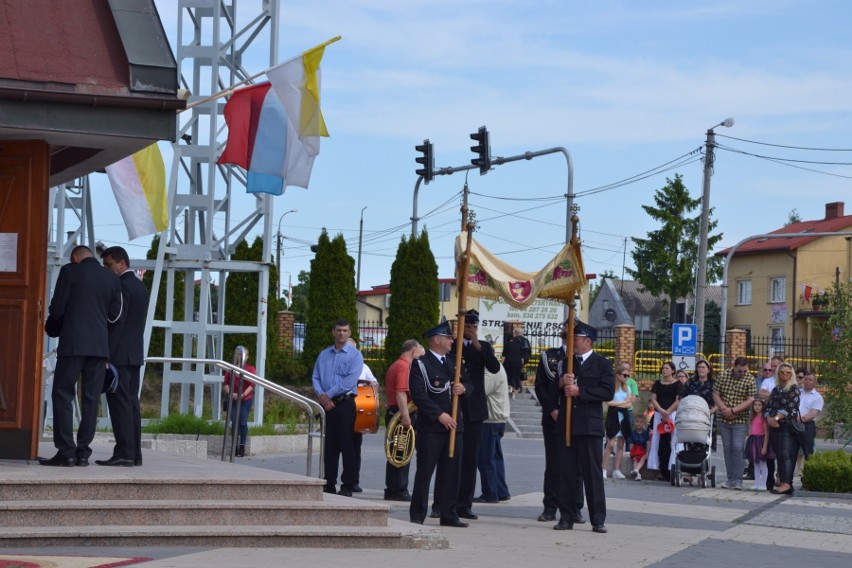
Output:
(651, 349)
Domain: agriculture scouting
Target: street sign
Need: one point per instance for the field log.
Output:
(684, 345)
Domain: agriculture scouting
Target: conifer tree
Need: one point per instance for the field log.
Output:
(414, 301)
(666, 261)
(331, 295)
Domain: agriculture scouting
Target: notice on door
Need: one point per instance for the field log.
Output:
(8, 252)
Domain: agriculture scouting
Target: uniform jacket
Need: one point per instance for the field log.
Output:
(87, 296)
(475, 362)
(597, 385)
(550, 368)
(126, 345)
(432, 394)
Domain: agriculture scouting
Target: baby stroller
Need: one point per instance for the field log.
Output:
(693, 431)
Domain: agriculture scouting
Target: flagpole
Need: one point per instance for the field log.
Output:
(459, 343)
(569, 355)
(234, 87)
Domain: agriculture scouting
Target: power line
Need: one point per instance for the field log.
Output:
(783, 146)
(819, 163)
(783, 163)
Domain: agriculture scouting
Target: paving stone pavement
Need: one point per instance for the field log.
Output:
(650, 524)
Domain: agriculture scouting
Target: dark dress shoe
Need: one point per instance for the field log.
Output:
(435, 515)
(345, 491)
(116, 461)
(599, 529)
(57, 461)
(563, 525)
(468, 514)
(546, 517)
(484, 500)
(417, 521)
(137, 462)
(454, 523)
(506, 498)
(578, 518)
(397, 496)
(356, 489)
(776, 492)
(329, 489)
(81, 462)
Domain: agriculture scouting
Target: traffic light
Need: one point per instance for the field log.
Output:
(427, 160)
(482, 149)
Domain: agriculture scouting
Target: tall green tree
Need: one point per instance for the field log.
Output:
(415, 295)
(158, 334)
(300, 295)
(666, 261)
(331, 295)
(836, 350)
(242, 299)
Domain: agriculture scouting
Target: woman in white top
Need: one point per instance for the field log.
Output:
(618, 423)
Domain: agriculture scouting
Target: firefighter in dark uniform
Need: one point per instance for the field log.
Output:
(551, 366)
(431, 386)
(590, 385)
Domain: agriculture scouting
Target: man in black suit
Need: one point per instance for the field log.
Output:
(477, 356)
(550, 368)
(431, 386)
(86, 300)
(590, 385)
(127, 355)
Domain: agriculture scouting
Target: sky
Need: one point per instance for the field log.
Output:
(626, 87)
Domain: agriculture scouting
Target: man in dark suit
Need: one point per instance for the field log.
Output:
(86, 300)
(590, 385)
(127, 355)
(550, 368)
(477, 356)
(431, 387)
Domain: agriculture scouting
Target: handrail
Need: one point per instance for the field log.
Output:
(313, 407)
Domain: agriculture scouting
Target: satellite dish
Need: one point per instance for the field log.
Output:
(609, 315)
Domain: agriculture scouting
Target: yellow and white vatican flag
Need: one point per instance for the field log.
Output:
(139, 185)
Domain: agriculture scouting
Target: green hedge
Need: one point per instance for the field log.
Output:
(828, 472)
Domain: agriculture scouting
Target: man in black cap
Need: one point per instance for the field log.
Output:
(431, 386)
(476, 356)
(550, 369)
(590, 385)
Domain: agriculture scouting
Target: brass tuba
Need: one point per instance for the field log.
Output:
(399, 440)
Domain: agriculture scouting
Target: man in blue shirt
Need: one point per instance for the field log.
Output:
(335, 380)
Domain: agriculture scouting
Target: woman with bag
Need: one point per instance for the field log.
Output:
(782, 415)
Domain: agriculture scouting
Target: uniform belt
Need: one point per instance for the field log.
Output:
(341, 397)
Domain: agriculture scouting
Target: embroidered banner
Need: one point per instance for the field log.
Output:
(490, 277)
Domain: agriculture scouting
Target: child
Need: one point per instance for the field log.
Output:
(758, 445)
(640, 442)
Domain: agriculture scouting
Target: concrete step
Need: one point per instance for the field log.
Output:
(397, 535)
(69, 513)
(296, 489)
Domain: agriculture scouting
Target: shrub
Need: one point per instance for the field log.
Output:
(184, 424)
(828, 472)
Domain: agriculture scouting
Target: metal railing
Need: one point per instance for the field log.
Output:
(313, 408)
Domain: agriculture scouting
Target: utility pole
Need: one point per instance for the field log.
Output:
(360, 239)
(279, 238)
(701, 279)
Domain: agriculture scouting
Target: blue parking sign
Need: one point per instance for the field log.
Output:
(684, 339)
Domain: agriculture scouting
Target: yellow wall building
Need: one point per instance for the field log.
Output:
(775, 286)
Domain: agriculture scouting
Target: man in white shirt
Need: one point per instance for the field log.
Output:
(810, 405)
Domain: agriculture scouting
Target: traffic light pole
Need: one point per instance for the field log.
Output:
(499, 161)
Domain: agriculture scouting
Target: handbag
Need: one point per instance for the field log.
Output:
(796, 427)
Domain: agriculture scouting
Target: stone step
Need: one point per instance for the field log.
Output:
(397, 535)
(296, 489)
(532, 422)
(189, 512)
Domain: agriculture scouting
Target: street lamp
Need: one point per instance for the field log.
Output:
(701, 279)
(360, 238)
(279, 238)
